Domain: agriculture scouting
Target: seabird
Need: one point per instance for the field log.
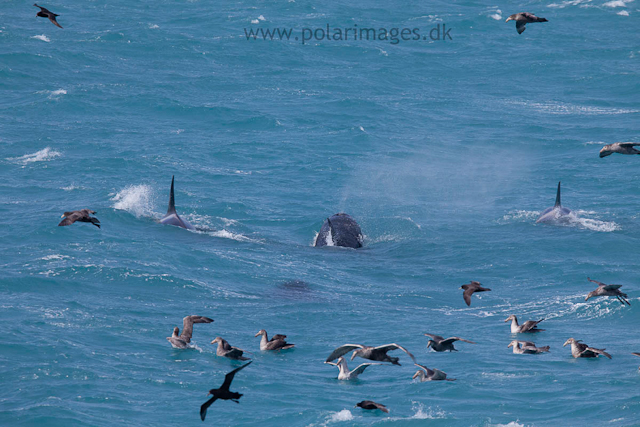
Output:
(182, 340)
(225, 350)
(528, 347)
(528, 326)
(636, 354)
(607, 291)
(438, 343)
(345, 374)
(45, 13)
(426, 374)
(370, 404)
(582, 350)
(379, 354)
(83, 215)
(223, 392)
(619, 147)
(524, 18)
(275, 343)
(470, 289)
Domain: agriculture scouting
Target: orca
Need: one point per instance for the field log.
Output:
(340, 230)
(556, 213)
(172, 217)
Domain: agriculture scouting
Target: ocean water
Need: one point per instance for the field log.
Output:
(444, 152)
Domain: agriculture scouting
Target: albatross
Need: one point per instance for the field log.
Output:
(528, 326)
(277, 342)
(528, 347)
(83, 215)
(223, 392)
(470, 288)
(582, 350)
(183, 340)
(426, 374)
(370, 404)
(379, 354)
(345, 374)
(438, 343)
(225, 350)
(524, 18)
(604, 290)
(619, 147)
(45, 13)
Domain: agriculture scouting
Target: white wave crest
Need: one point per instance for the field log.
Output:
(623, 13)
(427, 414)
(42, 37)
(43, 155)
(617, 3)
(135, 199)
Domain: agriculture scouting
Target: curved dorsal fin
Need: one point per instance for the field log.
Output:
(557, 196)
(172, 203)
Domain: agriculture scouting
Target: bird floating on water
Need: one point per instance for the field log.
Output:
(426, 374)
(370, 404)
(183, 340)
(604, 290)
(379, 354)
(469, 290)
(277, 342)
(45, 13)
(619, 147)
(223, 392)
(582, 350)
(345, 374)
(528, 326)
(226, 350)
(527, 347)
(524, 18)
(83, 215)
(438, 343)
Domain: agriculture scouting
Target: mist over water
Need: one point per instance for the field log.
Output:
(445, 153)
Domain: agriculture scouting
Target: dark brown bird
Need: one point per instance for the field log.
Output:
(370, 404)
(379, 354)
(438, 343)
(470, 289)
(83, 215)
(277, 342)
(222, 392)
(524, 18)
(226, 350)
(46, 13)
(607, 291)
(183, 340)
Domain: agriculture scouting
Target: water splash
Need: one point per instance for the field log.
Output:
(135, 199)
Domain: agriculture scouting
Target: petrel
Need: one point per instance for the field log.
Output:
(524, 18)
(604, 290)
(182, 340)
(223, 392)
(45, 13)
(619, 147)
(83, 215)
(470, 288)
(528, 326)
(226, 350)
(277, 342)
(438, 343)
(582, 350)
(379, 354)
(370, 404)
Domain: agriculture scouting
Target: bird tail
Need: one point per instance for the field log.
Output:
(545, 348)
(543, 20)
(95, 222)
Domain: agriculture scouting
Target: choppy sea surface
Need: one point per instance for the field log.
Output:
(445, 152)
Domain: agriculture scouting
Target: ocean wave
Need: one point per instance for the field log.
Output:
(135, 199)
(575, 219)
(43, 155)
(559, 108)
(617, 3)
(42, 37)
(336, 417)
(581, 3)
(427, 414)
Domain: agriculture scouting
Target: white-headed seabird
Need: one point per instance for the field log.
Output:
(426, 374)
(524, 18)
(438, 343)
(183, 340)
(277, 342)
(223, 392)
(619, 147)
(345, 374)
(379, 354)
(527, 347)
(225, 350)
(582, 350)
(528, 326)
(604, 290)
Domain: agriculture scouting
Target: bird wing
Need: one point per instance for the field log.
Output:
(529, 325)
(596, 282)
(277, 344)
(599, 351)
(424, 368)
(467, 296)
(278, 337)
(187, 326)
(68, 220)
(628, 144)
(360, 369)
(45, 10)
(394, 346)
(435, 337)
(52, 18)
(205, 406)
(229, 377)
(521, 26)
(454, 339)
(636, 354)
(234, 352)
(342, 350)
(381, 407)
(611, 287)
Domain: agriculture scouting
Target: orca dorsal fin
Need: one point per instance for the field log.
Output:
(556, 205)
(172, 202)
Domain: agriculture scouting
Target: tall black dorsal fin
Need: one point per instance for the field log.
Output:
(172, 202)
(557, 196)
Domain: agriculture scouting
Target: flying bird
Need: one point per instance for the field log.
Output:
(83, 215)
(45, 13)
(182, 340)
(528, 326)
(345, 374)
(582, 350)
(523, 19)
(277, 342)
(379, 354)
(370, 404)
(619, 147)
(604, 290)
(470, 288)
(223, 392)
(438, 343)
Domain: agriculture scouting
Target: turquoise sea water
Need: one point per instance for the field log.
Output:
(445, 152)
